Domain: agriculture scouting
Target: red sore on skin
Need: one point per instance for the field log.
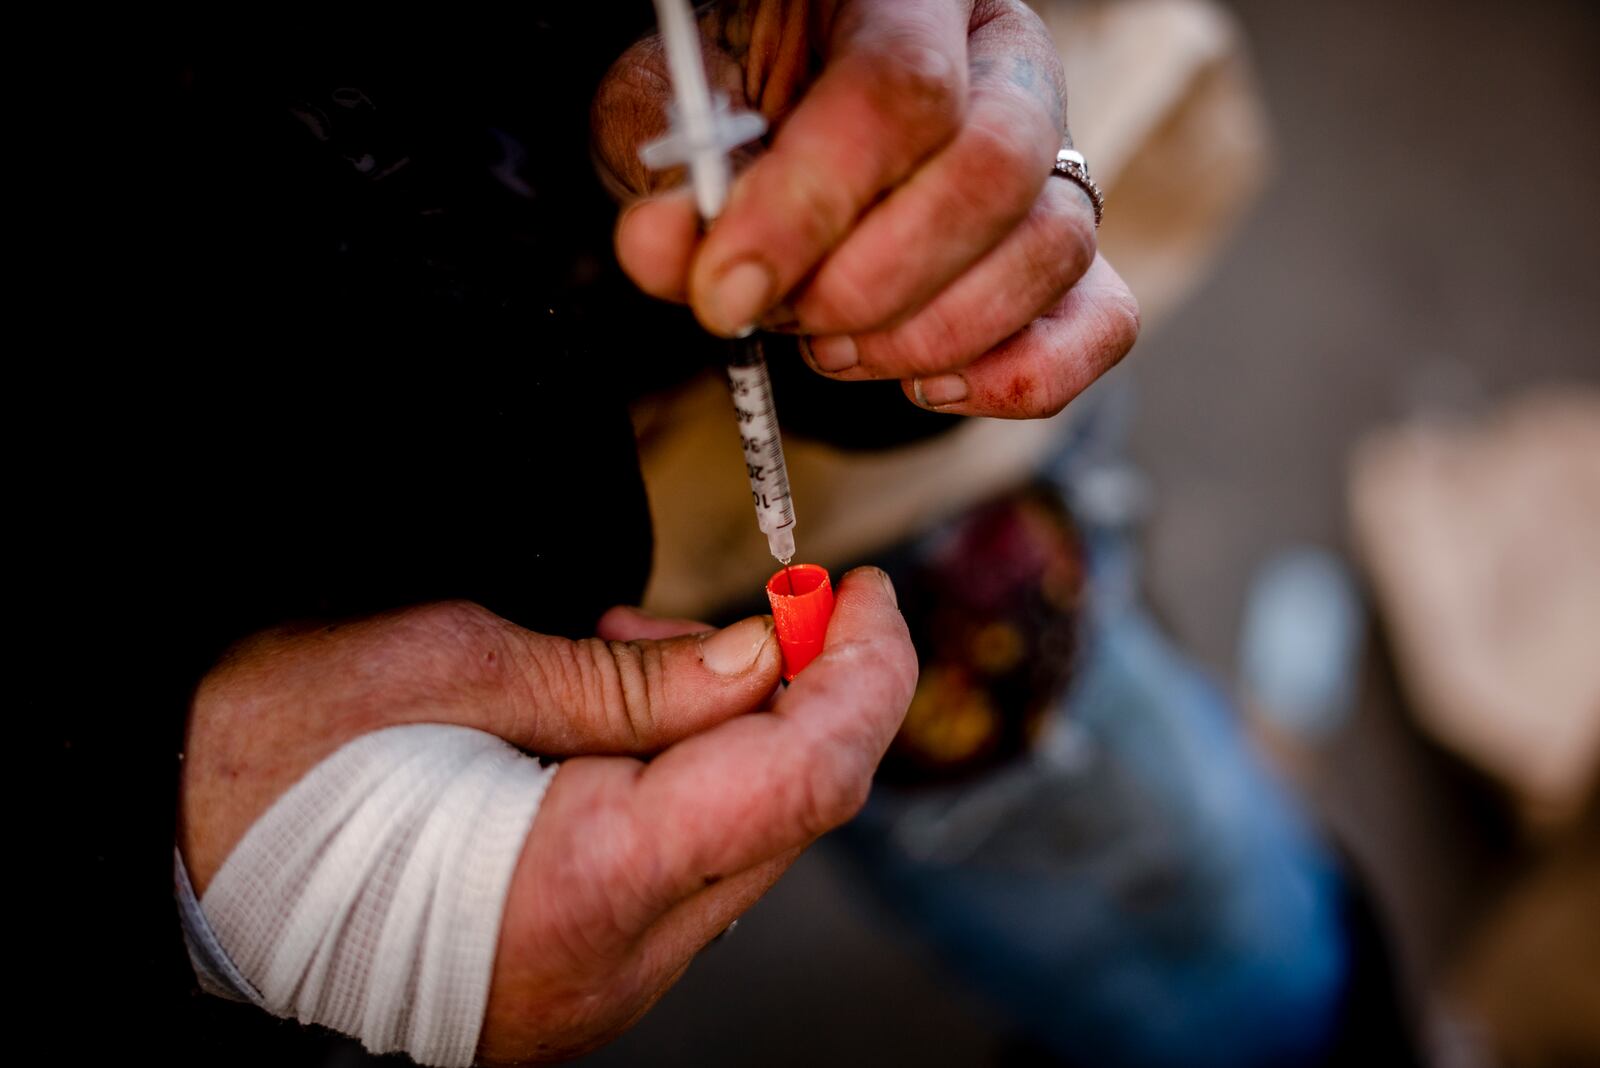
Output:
(1021, 387)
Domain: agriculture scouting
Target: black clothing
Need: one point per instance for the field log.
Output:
(371, 349)
(366, 347)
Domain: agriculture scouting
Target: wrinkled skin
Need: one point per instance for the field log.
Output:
(901, 219)
(631, 867)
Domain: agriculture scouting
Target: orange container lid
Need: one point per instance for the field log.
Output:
(802, 602)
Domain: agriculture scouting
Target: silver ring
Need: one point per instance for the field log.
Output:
(1071, 165)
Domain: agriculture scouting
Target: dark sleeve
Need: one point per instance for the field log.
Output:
(345, 363)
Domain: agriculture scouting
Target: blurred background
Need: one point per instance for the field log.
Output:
(1362, 425)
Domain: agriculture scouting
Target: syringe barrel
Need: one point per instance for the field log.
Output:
(751, 391)
(780, 543)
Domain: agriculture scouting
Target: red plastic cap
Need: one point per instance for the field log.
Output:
(802, 602)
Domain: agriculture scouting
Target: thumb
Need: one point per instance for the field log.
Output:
(599, 696)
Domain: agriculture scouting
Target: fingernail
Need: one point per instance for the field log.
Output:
(734, 650)
(739, 296)
(883, 577)
(940, 390)
(803, 342)
(835, 353)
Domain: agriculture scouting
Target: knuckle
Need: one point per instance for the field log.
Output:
(915, 88)
(821, 210)
(605, 868)
(839, 760)
(1112, 331)
(641, 676)
(625, 864)
(931, 342)
(568, 680)
(900, 656)
(843, 298)
(836, 787)
(432, 654)
(445, 625)
(1003, 163)
(1066, 225)
(450, 615)
(618, 683)
(1058, 386)
(984, 11)
(1123, 323)
(458, 643)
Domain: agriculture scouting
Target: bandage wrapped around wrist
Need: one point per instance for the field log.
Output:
(368, 898)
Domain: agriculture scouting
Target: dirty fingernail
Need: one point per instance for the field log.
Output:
(836, 353)
(940, 390)
(888, 585)
(739, 297)
(734, 650)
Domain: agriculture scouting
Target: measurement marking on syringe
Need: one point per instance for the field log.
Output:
(761, 444)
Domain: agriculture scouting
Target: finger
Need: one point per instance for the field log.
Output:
(621, 849)
(583, 866)
(1036, 372)
(571, 923)
(656, 237)
(692, 924)
(560, 944)
(598, 696)
(625, 623)
(963, 201)
(758, 786)
(698, 919)
(890, 94)
(655, 242)
(1005, 291)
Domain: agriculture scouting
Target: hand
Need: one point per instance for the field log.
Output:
(630, 867)
(901, 215)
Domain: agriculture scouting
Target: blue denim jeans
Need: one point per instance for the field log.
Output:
(1137, 889)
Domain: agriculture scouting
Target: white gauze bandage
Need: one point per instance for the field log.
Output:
(368, 898)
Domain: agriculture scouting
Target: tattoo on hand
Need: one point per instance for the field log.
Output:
(1027, 76)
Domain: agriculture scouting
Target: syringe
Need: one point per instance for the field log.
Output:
(763, 448)
(702, 131)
